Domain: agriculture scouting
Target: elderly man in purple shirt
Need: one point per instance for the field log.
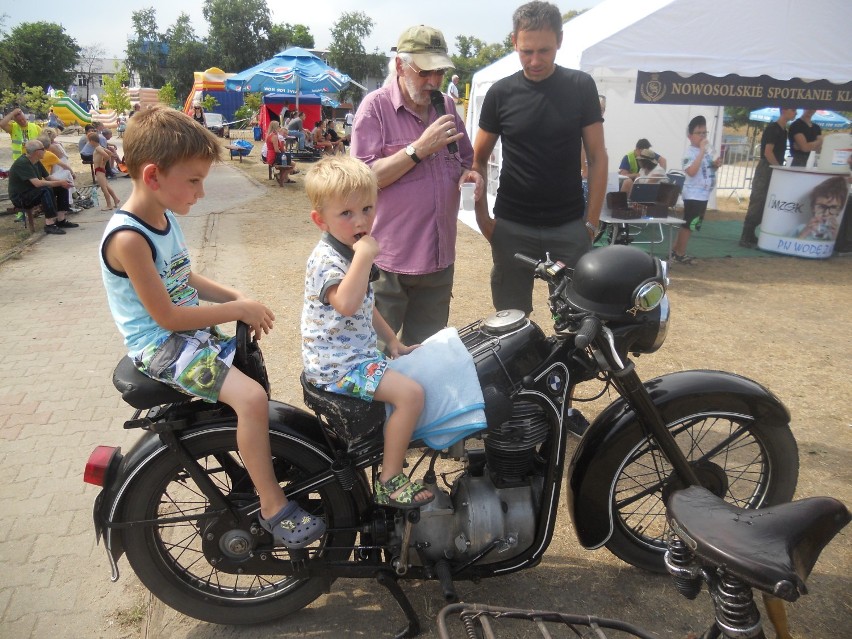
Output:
(420, 159)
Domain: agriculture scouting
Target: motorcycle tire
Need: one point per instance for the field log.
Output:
(748, 463)
(168, 558)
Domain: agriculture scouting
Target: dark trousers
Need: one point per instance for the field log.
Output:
(45, 196)
(757, 200)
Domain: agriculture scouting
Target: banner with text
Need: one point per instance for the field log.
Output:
(669, 87)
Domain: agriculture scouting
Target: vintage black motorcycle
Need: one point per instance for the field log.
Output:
(181, 506)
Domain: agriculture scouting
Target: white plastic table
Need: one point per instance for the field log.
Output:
(644, 221)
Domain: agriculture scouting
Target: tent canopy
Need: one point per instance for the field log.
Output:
(617, 39)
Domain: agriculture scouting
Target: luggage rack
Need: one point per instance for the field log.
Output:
(480, 620)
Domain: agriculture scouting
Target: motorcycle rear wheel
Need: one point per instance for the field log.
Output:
(748, 463)
(169, 560)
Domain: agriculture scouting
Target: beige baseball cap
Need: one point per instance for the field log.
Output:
(426, 46)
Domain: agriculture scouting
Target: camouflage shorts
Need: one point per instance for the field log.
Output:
(193, 362)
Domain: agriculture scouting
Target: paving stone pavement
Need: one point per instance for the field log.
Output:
(57, 403)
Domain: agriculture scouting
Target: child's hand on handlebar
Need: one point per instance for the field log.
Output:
(258, 316)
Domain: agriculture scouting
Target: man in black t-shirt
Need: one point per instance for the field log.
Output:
(541, 115)
(805, 136)
(773, 144)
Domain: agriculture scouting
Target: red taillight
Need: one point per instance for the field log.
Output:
(99, 464)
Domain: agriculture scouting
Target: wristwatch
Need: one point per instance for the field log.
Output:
(592, 227)
(409, 151)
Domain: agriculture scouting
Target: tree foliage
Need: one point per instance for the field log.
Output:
(89, 57)
(167, 94)
(187, 54)
(39, 54)
(285, 35)
(347, 53)
(238, 32)
(146, 53)
(115, 94)
(474, 54)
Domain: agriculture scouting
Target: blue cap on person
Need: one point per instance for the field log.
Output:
(427, 47)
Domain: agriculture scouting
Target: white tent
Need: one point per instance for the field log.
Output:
(783, 39)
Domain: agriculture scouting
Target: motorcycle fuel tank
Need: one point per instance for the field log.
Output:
(505, 347)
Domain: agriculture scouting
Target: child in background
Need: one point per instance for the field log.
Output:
(154, 298)
(340, 323)
(700, 169)
(100, 158)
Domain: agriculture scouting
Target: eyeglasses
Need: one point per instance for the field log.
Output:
(823, 209)
(701, 133)
(426, 73)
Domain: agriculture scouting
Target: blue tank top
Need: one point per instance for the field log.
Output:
(171, 259)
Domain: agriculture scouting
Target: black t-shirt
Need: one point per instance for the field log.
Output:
(811, 133)
(20, 174)
(777, 137)
(540, 126)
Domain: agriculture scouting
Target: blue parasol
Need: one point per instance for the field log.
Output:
(826, 119)
(290, 72)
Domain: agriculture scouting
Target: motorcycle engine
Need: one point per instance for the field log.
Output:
(494, 503)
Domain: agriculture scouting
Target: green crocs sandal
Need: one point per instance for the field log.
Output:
(293, 527)
(405, 498)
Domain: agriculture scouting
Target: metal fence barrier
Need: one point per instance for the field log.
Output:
(738, 164)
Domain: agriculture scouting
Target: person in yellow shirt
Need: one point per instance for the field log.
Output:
(15, 123)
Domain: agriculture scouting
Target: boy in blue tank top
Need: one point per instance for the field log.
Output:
(154, 298)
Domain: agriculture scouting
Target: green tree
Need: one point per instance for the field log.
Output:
(283, 36)
(187, 54)
(39, 54)
(167, 94)
(209, 103)
(147, 54)
(737, 116)
(474, 54)
(250, 108)
(238, 32)
(115, 89)
(347, 53)
(34, 99)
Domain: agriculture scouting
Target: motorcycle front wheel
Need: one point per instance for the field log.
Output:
(169, 559)
(747, 463)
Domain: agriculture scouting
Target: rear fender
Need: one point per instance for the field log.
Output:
(296, 425)
(616, 430)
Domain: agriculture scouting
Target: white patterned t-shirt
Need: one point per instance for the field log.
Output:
(333, 344)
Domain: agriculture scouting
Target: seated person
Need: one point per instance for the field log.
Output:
(54, 122)
(84, 140)
(332, 136)
(649, 170)
(296, 129)
(276, 155)
(30, 184)
(318, 139)
(629, 163)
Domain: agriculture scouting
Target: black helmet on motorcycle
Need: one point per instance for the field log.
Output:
(615, 282)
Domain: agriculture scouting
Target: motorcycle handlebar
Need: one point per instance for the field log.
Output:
(529, 260)
(588, 331)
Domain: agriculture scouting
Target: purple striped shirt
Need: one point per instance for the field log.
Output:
(416, 216)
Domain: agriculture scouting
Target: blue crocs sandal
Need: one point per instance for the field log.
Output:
(406, 493)
(293, 527)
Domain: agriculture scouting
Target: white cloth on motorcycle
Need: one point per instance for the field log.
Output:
(454, 407)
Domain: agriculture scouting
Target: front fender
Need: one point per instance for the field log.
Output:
(616, 430)
(284, 420)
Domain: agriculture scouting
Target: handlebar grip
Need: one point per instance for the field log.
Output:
(523, 258)
(588, 331)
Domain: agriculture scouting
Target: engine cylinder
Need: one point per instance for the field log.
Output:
(510, 447)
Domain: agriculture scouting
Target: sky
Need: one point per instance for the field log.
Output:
(108, 23)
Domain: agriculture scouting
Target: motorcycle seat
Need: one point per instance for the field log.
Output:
(772, 549)
(348, 419)
(140, 391)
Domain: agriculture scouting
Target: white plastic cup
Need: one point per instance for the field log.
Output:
(467, 190)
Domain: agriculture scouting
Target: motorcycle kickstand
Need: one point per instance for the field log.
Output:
(388, 579)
